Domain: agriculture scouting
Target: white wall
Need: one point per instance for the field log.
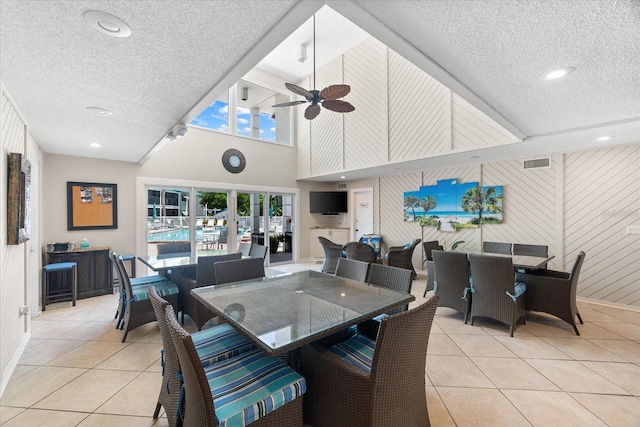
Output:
(14, 329)
(582, 203)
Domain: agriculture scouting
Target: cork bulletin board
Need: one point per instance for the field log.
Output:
(91, 206)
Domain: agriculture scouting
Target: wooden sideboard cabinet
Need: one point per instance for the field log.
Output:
(336, 235)
(94, 272)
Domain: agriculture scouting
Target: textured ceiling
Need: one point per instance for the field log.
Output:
(183, 54)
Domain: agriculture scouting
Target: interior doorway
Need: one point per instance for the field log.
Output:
(362, 212)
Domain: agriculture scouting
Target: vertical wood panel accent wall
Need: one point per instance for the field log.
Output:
(471, 128)
(602, 197)
(365, 129)
(12, 257)
(327, 129)
(529, 205)
(419, 112)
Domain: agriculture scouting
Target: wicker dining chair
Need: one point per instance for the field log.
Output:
(398, 279)
(244, 248)
(352, 269)
(532, 250)
(496, 248)
(265, 391)
(212, 345)
(332, 252)
(496, 295)
(258, 251)
(205, 276)
(401, 256)
(360, 252)
(237, 270)
(452, 281)
(138, 310)
(387, 388)
(554, 292)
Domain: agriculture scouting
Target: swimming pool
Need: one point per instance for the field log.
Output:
(182, 234)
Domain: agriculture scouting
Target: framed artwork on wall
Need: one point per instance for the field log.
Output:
(18, 199)
(92, 206)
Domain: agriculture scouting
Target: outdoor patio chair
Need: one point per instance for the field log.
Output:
(352, 269)
(452, 281)
(258, 251)
(398, 279)
(138, 310)
(366, 383)
(212, 345)
(241, 269)
(531, 250)
(496, 295)
(428, 247)
(375, 241)
(265, 391)
(401, 256)
(244, 248)
(332, 252)
(205, 276)
(496, 248)
(554, 292)
(359, 251)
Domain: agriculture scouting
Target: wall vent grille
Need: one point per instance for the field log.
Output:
(342, 186)
(542, 162)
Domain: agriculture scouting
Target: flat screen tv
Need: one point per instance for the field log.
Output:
(327, 202)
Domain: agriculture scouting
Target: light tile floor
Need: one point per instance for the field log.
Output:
(76, 372)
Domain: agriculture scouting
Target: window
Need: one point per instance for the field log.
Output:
(215, 116)
(255, 116)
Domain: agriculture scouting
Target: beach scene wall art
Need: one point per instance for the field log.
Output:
(450, 206)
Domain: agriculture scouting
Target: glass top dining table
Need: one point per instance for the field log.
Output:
(177, 260)
(283, 312)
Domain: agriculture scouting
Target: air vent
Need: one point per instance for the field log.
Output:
(542, 162)
(342, 186)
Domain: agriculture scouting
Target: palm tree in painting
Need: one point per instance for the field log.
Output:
(428, 203)
(412, 202)
(476, 200)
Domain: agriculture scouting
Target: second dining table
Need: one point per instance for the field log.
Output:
(283, 312)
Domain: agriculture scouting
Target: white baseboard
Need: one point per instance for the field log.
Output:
(13, 362)
(609, 304)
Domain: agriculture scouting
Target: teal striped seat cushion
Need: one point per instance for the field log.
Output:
(357, 350)
(220, 343)
(250, 386)
(163, 289)
(518, 289)
(146, 280)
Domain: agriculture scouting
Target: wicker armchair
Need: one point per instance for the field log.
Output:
(253, 398)
(360, 252)
(452, 283)
(429, 247)
(495, 293)
(244, 248)
(554, 292)
(401, 256)
(205, 276)
(352, 269)
(496, 248)
(258, 251)
(390, 391)
(332, 252)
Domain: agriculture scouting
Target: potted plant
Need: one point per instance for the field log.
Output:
(274, 242)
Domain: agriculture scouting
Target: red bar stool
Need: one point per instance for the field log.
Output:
(61, 267)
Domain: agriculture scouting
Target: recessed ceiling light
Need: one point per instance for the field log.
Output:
(556, 74)
(343, 177)
(95, 145)
(603, 138)
(99, 111)
(107, 24)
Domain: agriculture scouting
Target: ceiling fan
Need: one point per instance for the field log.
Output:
(327, 97)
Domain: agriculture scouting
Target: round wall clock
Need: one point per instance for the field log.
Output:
(233, 160)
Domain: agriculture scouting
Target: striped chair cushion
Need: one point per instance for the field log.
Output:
(519, 289)
(164, 288)
(250, 386)
(220, 343)
(146, 280)
(357, 350)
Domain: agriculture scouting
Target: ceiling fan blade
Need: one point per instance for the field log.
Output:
(300, 91)
(330, 93)
(312, 112)
(338, 106)
(288, 104)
